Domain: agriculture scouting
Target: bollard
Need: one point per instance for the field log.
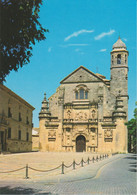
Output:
(88, 161)
(93, 159)
(26, 172)
(82, 162)
(62, 167)
(100, 157)
(73, 164)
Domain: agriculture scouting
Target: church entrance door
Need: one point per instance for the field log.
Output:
(80, 143)
(2, 140)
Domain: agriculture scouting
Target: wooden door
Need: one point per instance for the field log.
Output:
(80, 143)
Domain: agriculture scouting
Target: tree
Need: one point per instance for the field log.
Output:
(132, 133)
(19, 30)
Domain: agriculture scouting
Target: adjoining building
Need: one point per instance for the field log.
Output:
(88, 112)
(35, 139)
(15, 122)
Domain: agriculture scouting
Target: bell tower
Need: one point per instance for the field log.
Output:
(119, 72)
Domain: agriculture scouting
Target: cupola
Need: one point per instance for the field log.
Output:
(44, 113)
(119, 44)
(119, 54)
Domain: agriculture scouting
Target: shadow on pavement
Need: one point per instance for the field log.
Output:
(131, 157)
(18, 190)
(133, 170)
(133, 165)
(132, 162)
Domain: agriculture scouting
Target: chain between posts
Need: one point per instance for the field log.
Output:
(62, 166)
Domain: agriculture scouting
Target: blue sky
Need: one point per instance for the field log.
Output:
(82, 32)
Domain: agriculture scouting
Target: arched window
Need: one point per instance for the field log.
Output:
(86, 95)
(119, 59)
(76, 95)
(81, 93)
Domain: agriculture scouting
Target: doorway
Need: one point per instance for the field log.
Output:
(2, 140)
(80, 143)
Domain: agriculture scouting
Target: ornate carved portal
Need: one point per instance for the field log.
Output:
(80, 143)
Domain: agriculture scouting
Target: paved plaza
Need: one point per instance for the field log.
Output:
(113, 175)
(38, 161)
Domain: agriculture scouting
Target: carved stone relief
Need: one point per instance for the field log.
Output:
(68, 114)
(52, 134)
(81, 116)
(93, 137)
(108, 135)
(93, 114)
(100, 99)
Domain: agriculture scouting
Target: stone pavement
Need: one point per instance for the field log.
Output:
(39, 161)
(116, 175)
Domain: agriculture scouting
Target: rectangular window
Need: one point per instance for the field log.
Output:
(19, 135)
(20, 119)
(9, 133)
(27, 120)
(9, 112)
(27, 136)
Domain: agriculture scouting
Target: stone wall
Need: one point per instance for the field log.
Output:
(15, 122)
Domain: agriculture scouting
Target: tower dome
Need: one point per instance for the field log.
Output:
(119, 44)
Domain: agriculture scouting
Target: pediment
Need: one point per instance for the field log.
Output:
(81, 75)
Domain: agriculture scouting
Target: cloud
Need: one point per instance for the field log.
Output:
(49, 49)
(124, 39)
(104, 34)
(75, 44)
(75, 34)
(78, 44)
(103, 50)
(79, 51)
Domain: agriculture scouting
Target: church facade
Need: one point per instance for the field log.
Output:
(88, 112)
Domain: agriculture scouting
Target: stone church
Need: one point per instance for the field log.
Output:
(87, 113)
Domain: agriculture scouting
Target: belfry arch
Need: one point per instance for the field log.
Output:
(80, 143)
